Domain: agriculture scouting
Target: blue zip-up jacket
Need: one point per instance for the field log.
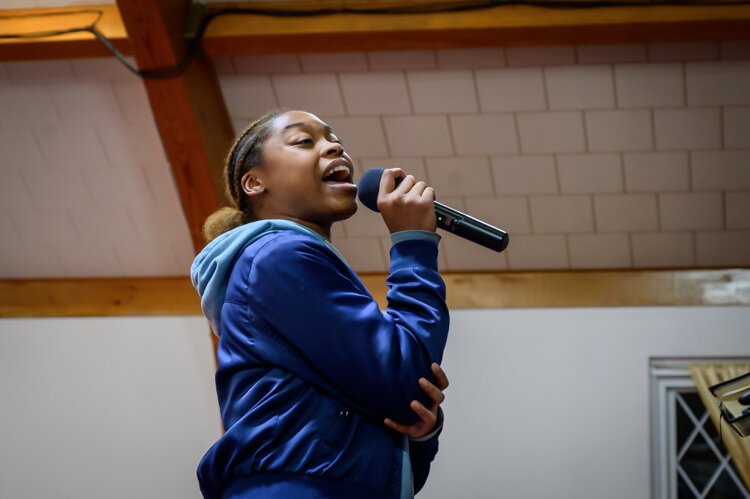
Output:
(309, 366)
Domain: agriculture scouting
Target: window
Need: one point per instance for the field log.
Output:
(688, 458)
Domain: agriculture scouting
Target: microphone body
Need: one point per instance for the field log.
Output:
(449, 219)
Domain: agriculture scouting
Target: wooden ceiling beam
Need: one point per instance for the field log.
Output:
(176, 296)
(498, 26)
(189, 109)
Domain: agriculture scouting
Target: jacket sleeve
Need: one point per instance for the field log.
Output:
(422, 453)
(318, 310)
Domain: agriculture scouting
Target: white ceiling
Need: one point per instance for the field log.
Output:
(591, 157)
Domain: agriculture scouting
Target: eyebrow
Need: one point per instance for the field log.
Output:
(302, 124)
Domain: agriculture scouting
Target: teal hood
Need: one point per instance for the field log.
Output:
(213, 266)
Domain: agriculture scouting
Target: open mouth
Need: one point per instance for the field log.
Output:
(338, 174)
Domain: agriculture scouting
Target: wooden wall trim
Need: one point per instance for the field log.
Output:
(176, 296)
(498, 26)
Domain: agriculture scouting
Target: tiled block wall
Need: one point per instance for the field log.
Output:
(591, 157)
(85, 188)
(627, 156)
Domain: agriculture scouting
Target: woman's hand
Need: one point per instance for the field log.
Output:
(406, 205)
(428, 416)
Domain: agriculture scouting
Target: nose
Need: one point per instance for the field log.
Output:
(333, 149)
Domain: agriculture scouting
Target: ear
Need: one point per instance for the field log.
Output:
(251, 185)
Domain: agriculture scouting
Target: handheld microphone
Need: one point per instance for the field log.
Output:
(448, 218)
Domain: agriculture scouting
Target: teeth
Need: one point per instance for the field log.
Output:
(337, 169)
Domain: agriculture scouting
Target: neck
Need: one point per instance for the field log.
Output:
(322, 229)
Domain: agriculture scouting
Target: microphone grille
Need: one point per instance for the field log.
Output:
(368, 187)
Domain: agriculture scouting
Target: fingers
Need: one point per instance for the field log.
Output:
(426, 415)
(395, 426)
(440, 377)
(432, 391)
(388, 180)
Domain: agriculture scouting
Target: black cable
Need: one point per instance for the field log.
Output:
(194, 43)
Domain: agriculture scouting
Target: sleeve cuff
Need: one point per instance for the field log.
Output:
(415, 235)
(435, 432)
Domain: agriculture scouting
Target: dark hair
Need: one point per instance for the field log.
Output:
(246, 153)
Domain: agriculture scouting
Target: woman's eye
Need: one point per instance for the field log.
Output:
(304, 141)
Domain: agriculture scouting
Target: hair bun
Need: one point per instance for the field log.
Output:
(222, 221)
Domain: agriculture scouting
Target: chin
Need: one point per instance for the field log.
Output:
(346, 212)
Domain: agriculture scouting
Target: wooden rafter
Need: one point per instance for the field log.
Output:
(189, 109)
(176, 296)
(498, 26)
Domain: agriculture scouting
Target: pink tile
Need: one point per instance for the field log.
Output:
(718, 83)
(42, 227)
(524, 174)
(95, 258)
(508, 213)
(14, 191)
(60, 188)
(248, 96)
(315, 93)
(472, 58)
(102, 224)
(39, 71)
(27, 106)
(649, 85)
(402, 59)
(625, 213)
(365, 223)
(463, 255)
(592, 54)
(580, 87)
(683, 51)
(411, 166)
(34, 261)
(364, 254)
(662, 250)
(656, 171)
(133, 100)
(463, 176)
(738, 210)
(131, 187)
(86, 103)
(361, 136)
(375, 93)
(723, 249)
(619, 130)
(442, 91)
(511, 89)
(541, 56)
(484, 134)
(149, 260)
(537, 252)
(418, 135)
(127, 145)
(268, 64)
(599, 251)
(687, 129)
(160, 226)
(554, 132)
(561, 214)
(71, 147)
(333, 61)
(103, 68)
(739, 49)
(590, 173)
(19, 149)
(720, 170)
(691, 211)
(737, 127)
